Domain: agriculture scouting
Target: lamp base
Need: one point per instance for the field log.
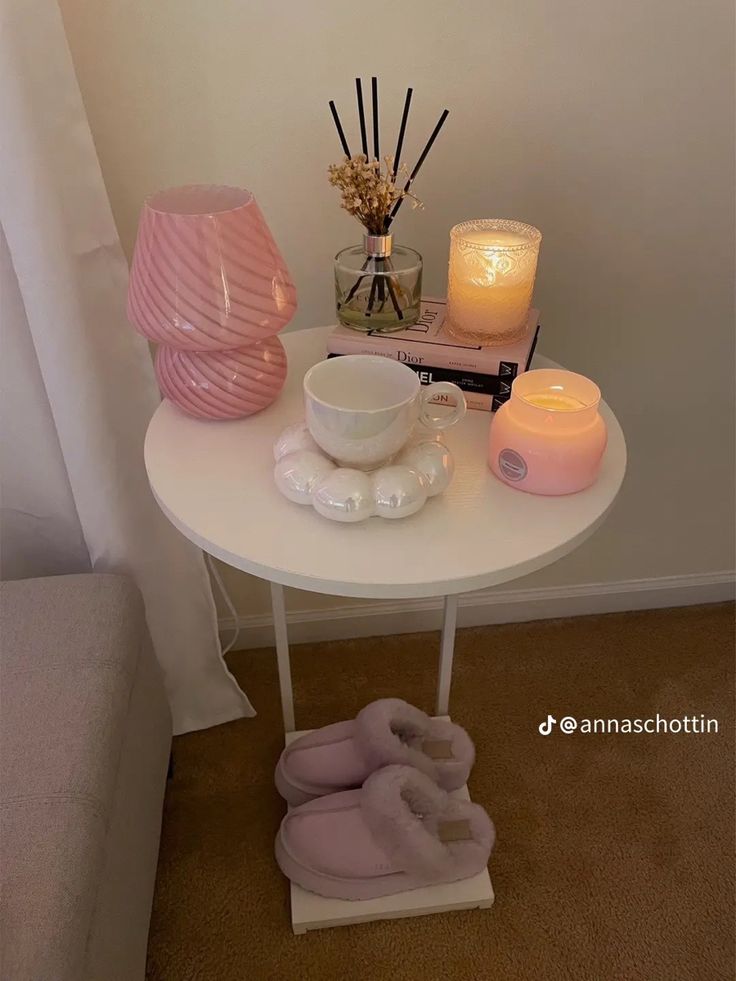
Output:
(223, 384)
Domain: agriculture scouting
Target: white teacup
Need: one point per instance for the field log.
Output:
(361, 409)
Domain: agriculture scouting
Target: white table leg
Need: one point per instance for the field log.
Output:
(447, 651)
(282, 655)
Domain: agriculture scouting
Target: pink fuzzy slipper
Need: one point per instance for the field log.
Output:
(342, 755)
(400, 831)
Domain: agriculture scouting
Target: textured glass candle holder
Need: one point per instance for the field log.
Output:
(493, 263)
(549, 437)
(378, 285)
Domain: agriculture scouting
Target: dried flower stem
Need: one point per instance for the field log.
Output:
(369, 190)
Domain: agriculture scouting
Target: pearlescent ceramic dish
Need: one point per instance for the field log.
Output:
(306, 475)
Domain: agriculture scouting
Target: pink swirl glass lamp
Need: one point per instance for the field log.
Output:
(209, 285)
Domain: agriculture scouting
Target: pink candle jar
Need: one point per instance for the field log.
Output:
(549, 437)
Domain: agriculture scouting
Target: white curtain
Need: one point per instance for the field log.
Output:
(77, 384)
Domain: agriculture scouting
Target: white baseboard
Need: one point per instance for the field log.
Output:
(383, 617)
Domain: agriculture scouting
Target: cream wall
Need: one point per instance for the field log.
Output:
(609, 126)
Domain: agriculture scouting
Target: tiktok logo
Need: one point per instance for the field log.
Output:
(545, 728)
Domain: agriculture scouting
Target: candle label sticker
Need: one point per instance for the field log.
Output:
(511, 465)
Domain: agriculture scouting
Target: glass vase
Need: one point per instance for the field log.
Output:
(378, 285)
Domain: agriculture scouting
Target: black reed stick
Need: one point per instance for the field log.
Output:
(354, 288)
(372, 296)
(402, 131)
(374, 101)
(380, 263)
(420, 161)
(338, 127)
(392, 294)
(361, 116)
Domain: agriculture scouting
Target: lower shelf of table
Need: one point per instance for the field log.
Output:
(312, 912)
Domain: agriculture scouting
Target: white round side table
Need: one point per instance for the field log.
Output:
(214, 482)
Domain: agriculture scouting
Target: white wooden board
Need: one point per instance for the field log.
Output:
(312, 912)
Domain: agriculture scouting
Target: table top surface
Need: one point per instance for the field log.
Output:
(214, 481)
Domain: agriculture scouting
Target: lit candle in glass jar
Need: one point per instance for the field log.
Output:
(549, 437)
(493, 263)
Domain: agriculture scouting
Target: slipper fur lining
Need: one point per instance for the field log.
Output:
(391, 731)
(403, 809)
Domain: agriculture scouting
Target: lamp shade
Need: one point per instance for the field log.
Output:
(206, 273)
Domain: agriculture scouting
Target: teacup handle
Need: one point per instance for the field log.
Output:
(445, 420)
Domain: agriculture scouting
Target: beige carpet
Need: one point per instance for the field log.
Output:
(614, 853)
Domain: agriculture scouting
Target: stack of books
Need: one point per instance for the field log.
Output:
(484, 374)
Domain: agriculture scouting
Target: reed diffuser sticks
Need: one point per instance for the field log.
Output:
(402, 132)
(374, 196)
(396, 163)
(361, 117)
(417, 166)
(374, 107)
(340, 131)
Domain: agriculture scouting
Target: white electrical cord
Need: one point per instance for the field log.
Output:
(228, 602)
